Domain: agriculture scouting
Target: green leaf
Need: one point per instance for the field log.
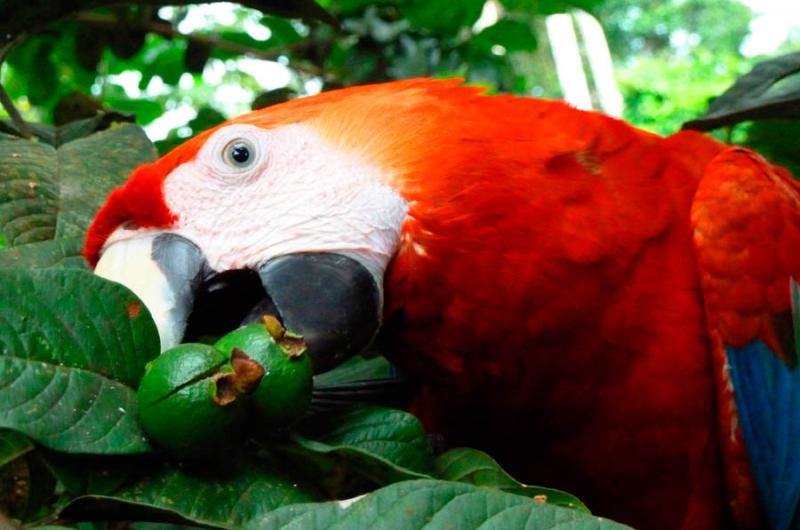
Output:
(389, 436)
(57, 253)
(272, 97)
(145, 110)
(775, 140)
(357, 368)
(12, 446)
(92, 474)
(249, 490)
(206, 118)
(513, 35)
(48, 193)
(757, 95)
(26, 488)
(69, 345)
(74, 319)
(476, 467)
(41, 91)
(168, 64)
(129, 138)
(443, 16)
(283, 32)
(69, 409)
(549, 7)
(432, 505)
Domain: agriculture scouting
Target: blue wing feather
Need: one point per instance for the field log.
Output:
(767, 393)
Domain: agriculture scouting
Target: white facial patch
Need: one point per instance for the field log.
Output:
(294, 192)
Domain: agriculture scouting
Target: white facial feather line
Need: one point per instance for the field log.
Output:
(302, 194)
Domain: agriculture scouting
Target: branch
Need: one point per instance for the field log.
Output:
(5, 101)
(167, 30)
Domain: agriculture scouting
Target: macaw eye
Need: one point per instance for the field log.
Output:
(239, 153)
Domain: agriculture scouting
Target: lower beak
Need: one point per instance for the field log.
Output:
(332, 300)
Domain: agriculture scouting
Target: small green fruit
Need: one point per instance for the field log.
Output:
(191, 398)
(284, 393)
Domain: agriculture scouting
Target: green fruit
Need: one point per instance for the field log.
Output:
(191, 399)
(284, 393)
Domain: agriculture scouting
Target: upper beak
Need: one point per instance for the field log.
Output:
(333, 301)
(164, 271)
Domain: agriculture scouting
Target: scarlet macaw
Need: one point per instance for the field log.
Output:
(604, 310)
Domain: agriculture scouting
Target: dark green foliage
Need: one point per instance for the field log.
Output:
(770, 90)
(71, 64)
(54, 185)
(432, 504)
(770, 94)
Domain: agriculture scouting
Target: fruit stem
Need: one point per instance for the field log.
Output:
(246, 376)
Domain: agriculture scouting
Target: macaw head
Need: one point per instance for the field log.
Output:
(298, 204)
(314, 209)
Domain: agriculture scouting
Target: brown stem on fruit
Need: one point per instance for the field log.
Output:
(226, 389)
(273, 326)
(167, 30)
(22, 126)
(292, 345)
(244, 379)
(248, 372)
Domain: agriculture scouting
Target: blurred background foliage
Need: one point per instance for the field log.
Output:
(181, 69)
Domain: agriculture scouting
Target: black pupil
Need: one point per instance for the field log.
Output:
(240, 153)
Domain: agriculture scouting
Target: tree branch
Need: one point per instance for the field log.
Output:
(22, 126)
(167, 30)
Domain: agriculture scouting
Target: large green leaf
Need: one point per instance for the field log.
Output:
(69, 409)
(56, 253)
(391, 440)
(71, 345)
(74, 319)
(48, 193)
(476, 467)
(432, 505)
(247, 491)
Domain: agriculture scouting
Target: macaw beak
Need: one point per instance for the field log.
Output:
(333, 301)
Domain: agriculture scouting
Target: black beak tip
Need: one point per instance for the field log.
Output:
(332, 300)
